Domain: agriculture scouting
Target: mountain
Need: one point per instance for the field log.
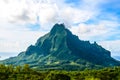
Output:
(60, 49)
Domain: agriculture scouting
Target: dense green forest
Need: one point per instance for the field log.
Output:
(26, 73)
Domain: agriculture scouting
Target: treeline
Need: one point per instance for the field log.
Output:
(26, 73)
(19, 73)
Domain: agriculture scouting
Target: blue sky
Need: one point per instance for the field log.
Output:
(22, 22)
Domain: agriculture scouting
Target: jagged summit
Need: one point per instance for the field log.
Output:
(60, 49)
(57, 28)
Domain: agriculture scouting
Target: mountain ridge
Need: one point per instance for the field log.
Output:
(60, 49)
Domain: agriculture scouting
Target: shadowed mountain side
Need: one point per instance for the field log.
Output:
(60, 49)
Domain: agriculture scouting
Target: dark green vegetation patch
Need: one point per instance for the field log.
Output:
(25, 73)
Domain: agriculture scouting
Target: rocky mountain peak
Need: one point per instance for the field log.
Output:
(57, 28)
(61, 49)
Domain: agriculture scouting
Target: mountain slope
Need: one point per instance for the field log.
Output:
(60, 49)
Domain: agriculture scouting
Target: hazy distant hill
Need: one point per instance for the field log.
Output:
(60, 49)
(5, 55)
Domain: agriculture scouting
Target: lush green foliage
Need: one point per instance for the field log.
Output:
(25, 73)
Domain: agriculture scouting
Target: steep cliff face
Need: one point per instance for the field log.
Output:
(60, 49)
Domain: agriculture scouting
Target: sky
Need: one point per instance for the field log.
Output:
(22, 22)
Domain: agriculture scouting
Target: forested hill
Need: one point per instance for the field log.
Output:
(26, 73)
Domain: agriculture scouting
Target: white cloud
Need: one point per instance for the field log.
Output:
(15, 15)
(49, 12)
(113, 46)
(96, 32)
(17, 40)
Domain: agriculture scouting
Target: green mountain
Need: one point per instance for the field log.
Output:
(60, 49)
